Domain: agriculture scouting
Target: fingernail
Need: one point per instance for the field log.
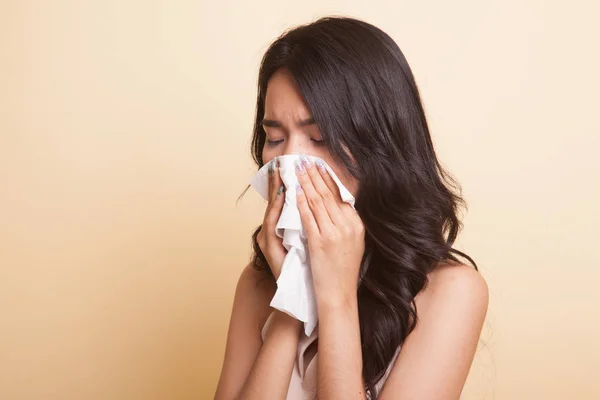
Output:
(300, 168)
(305, 161)
(275, 163)
(321, 165)
(280, 190)
(299, 189)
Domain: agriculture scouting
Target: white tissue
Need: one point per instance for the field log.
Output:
(295, 294)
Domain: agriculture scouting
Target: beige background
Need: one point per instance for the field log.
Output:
(124, 135)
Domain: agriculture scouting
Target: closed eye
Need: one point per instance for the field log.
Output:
(276, 142)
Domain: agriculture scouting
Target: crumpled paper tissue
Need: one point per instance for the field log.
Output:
(295, 294)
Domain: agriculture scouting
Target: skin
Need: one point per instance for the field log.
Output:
(435, 358)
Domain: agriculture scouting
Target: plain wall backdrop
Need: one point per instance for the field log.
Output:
(124, 143)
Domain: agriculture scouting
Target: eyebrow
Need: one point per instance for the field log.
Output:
(277, 124)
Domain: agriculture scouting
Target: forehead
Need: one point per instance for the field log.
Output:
(284, 97)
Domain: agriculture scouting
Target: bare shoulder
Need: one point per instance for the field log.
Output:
(255, 289)
(451, 310)
(460, 287)
(458, 277)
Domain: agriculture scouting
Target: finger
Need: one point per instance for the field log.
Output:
(306, 215)
(347, 209)
(276, 194)
(272, 180)
(279, 192)
(314, 199)
(328, 179)
(330, 195)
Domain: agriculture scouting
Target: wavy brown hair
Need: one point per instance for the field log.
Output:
(364, 98)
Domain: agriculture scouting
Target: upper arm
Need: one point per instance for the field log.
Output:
(436, 357)
(250, 310)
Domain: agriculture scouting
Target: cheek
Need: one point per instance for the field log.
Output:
(347, 180)
(351, 185)
(267, 155)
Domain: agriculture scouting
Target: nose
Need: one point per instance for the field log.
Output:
(296, 144)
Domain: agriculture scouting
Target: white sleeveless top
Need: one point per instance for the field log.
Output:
(303, 383)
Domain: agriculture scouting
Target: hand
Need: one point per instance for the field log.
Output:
(270, 244)
(335, 235)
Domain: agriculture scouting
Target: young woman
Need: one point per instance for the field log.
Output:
(399, 314)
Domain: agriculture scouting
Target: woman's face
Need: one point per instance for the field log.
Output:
(290, 129)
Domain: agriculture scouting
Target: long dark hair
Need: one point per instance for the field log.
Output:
(363, 97)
